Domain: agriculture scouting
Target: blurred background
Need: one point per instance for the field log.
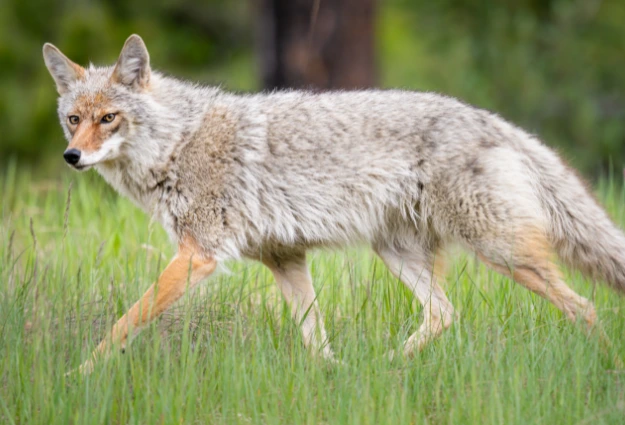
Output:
(554, 67)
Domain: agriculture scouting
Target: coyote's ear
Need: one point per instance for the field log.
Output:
(133, 66)
(63, 70)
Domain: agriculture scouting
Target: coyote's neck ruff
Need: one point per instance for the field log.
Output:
(268, 176)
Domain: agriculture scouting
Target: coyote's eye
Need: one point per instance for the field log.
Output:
(108, 118)
(73, 119)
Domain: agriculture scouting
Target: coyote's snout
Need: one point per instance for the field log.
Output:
(271, 175)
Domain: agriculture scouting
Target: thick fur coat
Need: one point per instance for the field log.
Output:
(270, 175)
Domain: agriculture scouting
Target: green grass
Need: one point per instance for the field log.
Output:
(229, 352)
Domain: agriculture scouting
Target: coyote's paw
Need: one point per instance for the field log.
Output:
(326, 356)
(333, 361)
(84, 369)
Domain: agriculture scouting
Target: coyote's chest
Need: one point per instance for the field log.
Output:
(150, 191)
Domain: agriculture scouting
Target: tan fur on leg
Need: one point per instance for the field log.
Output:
(186, 269)
(545, 281)
(413, 269)
(543, 278)
(293, 279)
(533, 267)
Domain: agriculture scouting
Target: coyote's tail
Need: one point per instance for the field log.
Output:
(582, 233)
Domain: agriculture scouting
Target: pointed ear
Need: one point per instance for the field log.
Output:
(63, 70)
(133, 66)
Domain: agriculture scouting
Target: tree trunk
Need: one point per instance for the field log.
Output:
(316, 44)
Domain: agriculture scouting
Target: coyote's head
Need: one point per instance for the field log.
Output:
(102, 109)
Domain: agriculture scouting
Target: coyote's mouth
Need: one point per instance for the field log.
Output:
(78, 167)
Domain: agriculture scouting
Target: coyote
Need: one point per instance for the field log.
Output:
(269, 176)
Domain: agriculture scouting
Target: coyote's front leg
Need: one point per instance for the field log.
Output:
(293, 279)
(186, 269)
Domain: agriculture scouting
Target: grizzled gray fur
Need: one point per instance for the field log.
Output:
(268, 176)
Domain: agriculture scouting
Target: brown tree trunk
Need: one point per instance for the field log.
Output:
(316, 44)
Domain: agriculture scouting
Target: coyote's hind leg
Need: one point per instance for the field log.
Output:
(532, 266)
(414, 266)
(530, 262)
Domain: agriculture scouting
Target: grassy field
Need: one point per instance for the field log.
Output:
(72, 261)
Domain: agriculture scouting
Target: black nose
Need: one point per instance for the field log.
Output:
(72, 156)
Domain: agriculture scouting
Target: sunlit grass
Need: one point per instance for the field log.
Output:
(229, 352)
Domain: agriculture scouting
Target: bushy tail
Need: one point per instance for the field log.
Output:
(582, 233)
